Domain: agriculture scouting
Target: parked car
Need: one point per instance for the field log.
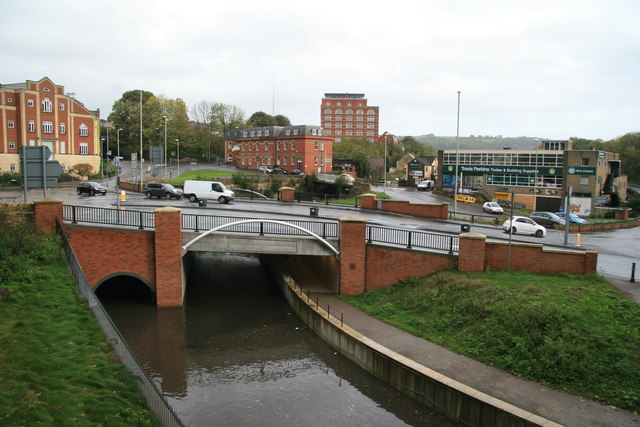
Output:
(425, 185)
(161, 189)
(196, 190)
(573, 218)
(280, 170)
(347, 177)
(296, 172)
(493, 208)
(547, 219)
(265, 169)
(524, 225)
(90, 188)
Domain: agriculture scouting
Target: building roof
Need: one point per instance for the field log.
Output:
(294, 130)
(343, 95)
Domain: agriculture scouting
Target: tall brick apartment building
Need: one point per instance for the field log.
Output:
(36, 113)
(347, 115)
(301, 147)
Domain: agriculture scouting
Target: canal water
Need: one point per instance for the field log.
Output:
(236, 355)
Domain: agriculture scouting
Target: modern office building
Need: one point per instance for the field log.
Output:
(301, 147)
(538, 179)
(39, 113)
(347, 115)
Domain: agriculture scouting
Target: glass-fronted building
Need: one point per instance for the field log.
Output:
(539, 179)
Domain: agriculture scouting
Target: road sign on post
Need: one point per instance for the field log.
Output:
(37, 170)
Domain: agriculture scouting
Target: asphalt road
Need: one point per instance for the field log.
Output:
(617, 250)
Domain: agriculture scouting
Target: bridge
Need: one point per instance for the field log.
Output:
(352, 255)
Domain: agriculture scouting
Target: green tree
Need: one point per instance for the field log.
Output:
(420, 149)
(628, 146)
(282, 120)
(260, 118)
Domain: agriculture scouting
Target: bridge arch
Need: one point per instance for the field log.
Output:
(137, 284)
(270, 221)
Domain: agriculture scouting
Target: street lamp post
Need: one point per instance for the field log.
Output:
(118, 148)
(165, 145)
(178, 143)
(455, 195)
(384, 172)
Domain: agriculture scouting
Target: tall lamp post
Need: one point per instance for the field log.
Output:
(178, 143)
(455, 195)
(384, 172)
(165, 145)
(118, 147)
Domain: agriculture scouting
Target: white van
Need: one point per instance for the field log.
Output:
(195, 190)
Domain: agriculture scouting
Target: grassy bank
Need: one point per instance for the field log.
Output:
(55, 366)
(574, 333)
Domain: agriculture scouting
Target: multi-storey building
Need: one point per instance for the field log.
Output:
(538, 179)
(39, 113)
(347, 115)
(301, 147)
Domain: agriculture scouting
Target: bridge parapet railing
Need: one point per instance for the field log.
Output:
(207, 222)
(108, 216)
(412, 239)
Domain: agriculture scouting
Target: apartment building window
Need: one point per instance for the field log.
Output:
(338, 133)
(295, 131)
(338, 125)
(369, 133)
(32, 143)
(244, 134)
(328, 117)
(250, 149)
(371, 112)
(287, 132)
(30, 103)
(12, 145)
(338, 118)
(46, 89)
(61, 106)
(266, 133)
(339, 111)
(63, 128)
(371, 119)
(84, 130)
(316, 146)
(293, 160)
(585, 161)
(359, 111)
(47, 127)
(584, 180)
(9, 99)
(293, 146)
(359, 126)
(63, 147)
(370, 126)
(327, 132)
(327, 125)
(84, 148)
(284, 146)
(349, 118)
(284, 160)
(278, 146)
(10, 124)
(338, 139)
(12, 167)
(47, 106)
(359, 119)
(349, 133)
(253, 133)
(359, 133)
(349, 125)
(266, 147)
(315, 161)
(327, 111)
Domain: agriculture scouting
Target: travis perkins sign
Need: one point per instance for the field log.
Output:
(523, 170)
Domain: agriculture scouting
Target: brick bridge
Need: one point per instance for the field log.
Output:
(358, 262)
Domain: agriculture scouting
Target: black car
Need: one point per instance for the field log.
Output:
(280, 170)
(547, 219)
(161, 189)
(296, 172)
(90, 188)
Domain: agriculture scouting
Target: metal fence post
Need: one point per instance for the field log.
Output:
(409, 243)
(369, 232)
(324, 228)
(262, 228)
(73, 215)
(141, 227)
(633, 272)
(197, 224)
(451, 244)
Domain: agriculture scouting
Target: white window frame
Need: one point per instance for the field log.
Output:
(84, 148)
(32, 125)
(47, 106)
(47, 127)
(61, 106)
(84, 130)
(63, 147)
(30, 103)
(63, 128)
(12, 145)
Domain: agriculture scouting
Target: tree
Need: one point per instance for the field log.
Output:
(260, 118)
(628, 146)
(418, 148)
(126, 116)
(282, 120)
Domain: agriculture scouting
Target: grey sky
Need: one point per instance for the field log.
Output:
(550, 69)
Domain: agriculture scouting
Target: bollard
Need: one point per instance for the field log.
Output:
(578, 239)
(633, 272)
(123, 195)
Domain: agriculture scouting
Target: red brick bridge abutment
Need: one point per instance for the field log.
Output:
(155, 256)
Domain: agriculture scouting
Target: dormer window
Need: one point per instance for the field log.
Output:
(295, 131)
(266, 133)
(244, 134)
(287, 132)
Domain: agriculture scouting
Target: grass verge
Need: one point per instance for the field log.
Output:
(574, 333)
(56, 367)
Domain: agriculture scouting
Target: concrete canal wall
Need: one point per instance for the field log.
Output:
(461, 403)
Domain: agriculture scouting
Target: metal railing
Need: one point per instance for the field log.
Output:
(152, 394)
(412, 239)
(207, 222)
(94, 215)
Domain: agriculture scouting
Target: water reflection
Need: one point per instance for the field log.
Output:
(237, 355)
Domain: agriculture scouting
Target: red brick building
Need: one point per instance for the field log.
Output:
(36, 113)
(347, 115)
(301, 147)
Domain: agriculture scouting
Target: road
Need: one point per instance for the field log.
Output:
(618, 250)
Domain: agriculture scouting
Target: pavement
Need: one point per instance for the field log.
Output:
(555, 405)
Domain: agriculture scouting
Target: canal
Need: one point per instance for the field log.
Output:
(237, 355)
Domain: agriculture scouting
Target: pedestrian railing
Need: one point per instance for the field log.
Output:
(412, 239)
(107, 216)
(152, 394)
(207, 222)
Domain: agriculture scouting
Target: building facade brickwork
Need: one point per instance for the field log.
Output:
(348, 115)
(40, 113)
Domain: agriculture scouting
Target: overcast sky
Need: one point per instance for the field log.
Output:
(550, 69)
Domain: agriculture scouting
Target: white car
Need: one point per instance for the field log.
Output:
(492, 207)
(265, 169)
(524, 225)
(424, 185)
